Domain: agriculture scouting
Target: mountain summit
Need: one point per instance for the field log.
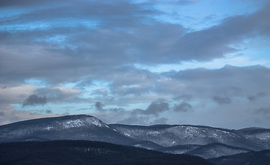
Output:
(73, 127)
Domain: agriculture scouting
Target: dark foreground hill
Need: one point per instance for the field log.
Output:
(86, 152)
(249, 158)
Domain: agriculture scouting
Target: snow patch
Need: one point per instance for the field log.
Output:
(215, 135)
(225, 132)
(191, 130)
(48, 128)
(126, 134)
(263, 136)
(73, 123)
(96, 122)
(83, 122)
(138, 145)
(96, 150)
(155, 133)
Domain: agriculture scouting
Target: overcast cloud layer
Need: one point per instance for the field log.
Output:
(93, 57)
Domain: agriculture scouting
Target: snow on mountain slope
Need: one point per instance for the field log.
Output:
(50, 124)
(171, 135)
(179, 149)
(260, 136)
(147, 145)
(77, 127)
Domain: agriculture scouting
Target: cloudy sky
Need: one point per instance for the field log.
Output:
(201, 62)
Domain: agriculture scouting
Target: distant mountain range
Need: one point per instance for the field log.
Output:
(206, 142)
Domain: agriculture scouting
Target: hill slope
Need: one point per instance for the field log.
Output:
(260, 136)
(86, 152)
(216, 150)
(249, 158)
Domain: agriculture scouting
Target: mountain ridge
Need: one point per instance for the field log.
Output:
(72, 127)
(165, 138)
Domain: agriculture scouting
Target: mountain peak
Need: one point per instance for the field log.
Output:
(80, 121)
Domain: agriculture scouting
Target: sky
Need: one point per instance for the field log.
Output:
(143, 62)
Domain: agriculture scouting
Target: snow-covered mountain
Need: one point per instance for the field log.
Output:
(196, 140)
(77, 127)
(172, 135)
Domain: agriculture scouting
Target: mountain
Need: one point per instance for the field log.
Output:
(172, 135)
(77, 127)
(249, 158)
(260, 136)
(87, 152)
(203, 141)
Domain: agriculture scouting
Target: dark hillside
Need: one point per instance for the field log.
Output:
(249, 158)
(87, 152)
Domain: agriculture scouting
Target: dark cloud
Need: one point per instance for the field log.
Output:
(182, 107)
(264, 111)
(222, 99)
(48, 111)
(257, 96)
(22, 3)
(251, 98)
(35, 100)
(99, 106)
(57, 94)
(53, 95)
(116, 110)
(125, 30)
(94, 46)
(215, 41)
(148, 116)
(156, 107)
(103, 13)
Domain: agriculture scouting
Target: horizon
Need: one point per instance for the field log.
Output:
(137, 62)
